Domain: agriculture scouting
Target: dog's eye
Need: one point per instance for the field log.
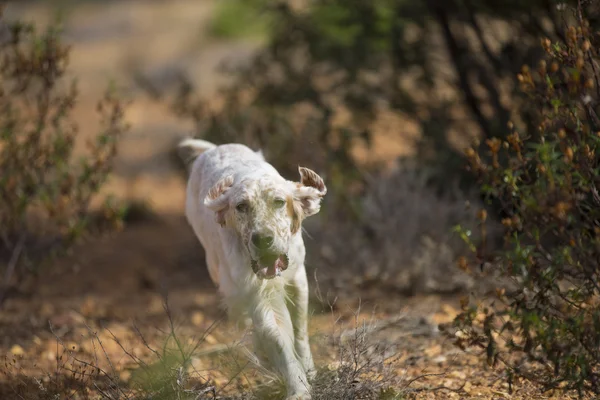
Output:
(278, 203)
(242, 207)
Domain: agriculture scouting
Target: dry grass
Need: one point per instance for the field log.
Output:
(404, 237)
(359, 369)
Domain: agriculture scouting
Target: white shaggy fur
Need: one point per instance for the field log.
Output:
(248, 219)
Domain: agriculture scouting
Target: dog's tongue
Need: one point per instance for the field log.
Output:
(274, 267)
(269, 266)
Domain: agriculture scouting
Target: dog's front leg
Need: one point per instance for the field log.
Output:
(274, 330)
(298, 308)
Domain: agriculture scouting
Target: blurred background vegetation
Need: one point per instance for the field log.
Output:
(381, 97)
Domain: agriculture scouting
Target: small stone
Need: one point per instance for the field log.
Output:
(72, 346)
(210, 339)
(440, 359)
(467, 387)
(460, 335)
(125, 375)
(50, 356)
(335, 365)
(197, 318)
(449, 310)
(17, 350)
(458, 375)
(433, 351)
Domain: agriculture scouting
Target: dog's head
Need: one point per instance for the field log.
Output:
(266, 212)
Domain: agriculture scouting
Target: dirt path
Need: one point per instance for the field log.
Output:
(117, 286)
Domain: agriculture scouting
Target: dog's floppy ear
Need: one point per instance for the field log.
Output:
(217, 199)
(309, 192)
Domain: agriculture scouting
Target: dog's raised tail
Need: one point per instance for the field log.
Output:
(189, 149)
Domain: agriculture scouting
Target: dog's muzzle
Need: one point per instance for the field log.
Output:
(269, 267)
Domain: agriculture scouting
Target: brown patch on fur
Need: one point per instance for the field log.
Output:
(217, 191)
(220, 187)
(312, 179)
(295, 214)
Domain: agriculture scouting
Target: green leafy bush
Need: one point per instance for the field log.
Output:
(239, 18)
(45, 191)
(545, 325)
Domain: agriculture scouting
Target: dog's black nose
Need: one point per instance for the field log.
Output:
(262, 241)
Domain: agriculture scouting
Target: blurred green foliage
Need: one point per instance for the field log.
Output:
(234, 19)
(170, 375)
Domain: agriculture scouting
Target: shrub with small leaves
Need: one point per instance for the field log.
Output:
(545, 326)
(45, 191)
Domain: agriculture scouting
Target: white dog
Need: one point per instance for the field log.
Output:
(248, 219)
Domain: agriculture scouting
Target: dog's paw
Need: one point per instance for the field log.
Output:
(309, 367)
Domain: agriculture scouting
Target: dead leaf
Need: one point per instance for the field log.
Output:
(458, 375)
(467, 387)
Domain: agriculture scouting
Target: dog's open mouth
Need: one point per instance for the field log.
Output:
(271, 266)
